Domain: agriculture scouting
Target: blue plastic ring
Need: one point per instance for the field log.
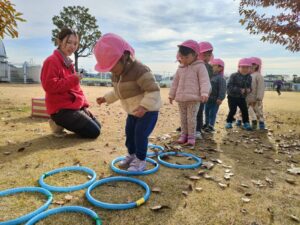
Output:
(122, 205)
(79, 209)
(70, 188)
(129, 173)
(186, 166)
(28, 216)
(160, 148)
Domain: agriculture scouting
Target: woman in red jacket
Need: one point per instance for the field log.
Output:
(65, 101)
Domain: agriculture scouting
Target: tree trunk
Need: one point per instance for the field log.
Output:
(76, 61)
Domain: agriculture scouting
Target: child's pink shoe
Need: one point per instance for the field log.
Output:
(182, 139)
(191, 140)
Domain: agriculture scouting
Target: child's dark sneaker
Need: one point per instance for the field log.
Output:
(254, 124)
(209, 129)
(228, 125)
(262, 126)
(124, 164)
(178, 129)
(247, 126)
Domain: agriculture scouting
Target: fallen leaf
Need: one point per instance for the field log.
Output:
(194, 178)
(6, 153)
(185, 193)
(68, 197)
(295, 218)
(246, 200)
(223, 186)
(294, 170)
(156, 190)
(199, 189)
(207, 165)
(58, 202)
(244, 185)
(290, 181)
(159, 207)
(21, 149)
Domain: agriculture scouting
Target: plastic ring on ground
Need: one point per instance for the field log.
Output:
(122, 205)
(63, 209)
(160, 148)
(70, 188)
(186, 166)
(28, 216)
(129, 173)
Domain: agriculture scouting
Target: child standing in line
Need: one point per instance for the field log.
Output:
(216, 96)
(254, 99)
(238, 87)
(206, 54)
(190, 86)
(134, 85)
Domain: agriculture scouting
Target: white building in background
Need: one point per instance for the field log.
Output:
(17, 73)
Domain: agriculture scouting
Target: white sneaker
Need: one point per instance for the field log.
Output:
(198, 135)
(57, 131)
(124, 164)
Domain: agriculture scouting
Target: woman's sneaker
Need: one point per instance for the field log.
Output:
(125, 163)
(228, 125)
(209, 129)
(238, 123)
(137, 165)
(247, 126)
(182, 139)
(57, 131)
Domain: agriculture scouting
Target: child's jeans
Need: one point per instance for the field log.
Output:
(211, 110)
(233, 103)
(188, 117)
(137, 133)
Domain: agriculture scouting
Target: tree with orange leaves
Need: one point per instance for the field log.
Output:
(283, 28)
(8, 19)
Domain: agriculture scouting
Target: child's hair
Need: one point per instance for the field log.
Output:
(256, 68)
(185, 50)
(65, 32)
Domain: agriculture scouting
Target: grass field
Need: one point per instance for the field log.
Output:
(259, 161)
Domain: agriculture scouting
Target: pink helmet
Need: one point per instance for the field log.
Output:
(205, 46)
(192, 45)
(245, 62)
(256, 61)
(108, 51)
(219, 62)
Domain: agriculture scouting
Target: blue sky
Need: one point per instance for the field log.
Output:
(153, 28)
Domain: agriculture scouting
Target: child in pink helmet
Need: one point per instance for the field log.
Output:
(217, 95)
(254, 99)
(206, 54)
(190, 86)
(134, 85)
(238, 87)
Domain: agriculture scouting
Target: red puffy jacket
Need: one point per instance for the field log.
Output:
(62, 87)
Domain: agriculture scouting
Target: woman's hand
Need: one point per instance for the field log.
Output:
(171, 101)
(139, 111)
(100, 100)
(219, 102)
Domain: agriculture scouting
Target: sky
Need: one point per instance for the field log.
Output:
(154, 29)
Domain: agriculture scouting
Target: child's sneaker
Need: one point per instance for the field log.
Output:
(124, 164)
(137, 165)
(182, 139)
(210, 129)
(262, 125)
(238, 123)
(247, 126)
(198, 135)
(178, 129)
(204, 126)
(228, 125)
(57, 131)
(191, 141)
(254, 124)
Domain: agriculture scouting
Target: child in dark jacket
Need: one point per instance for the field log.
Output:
(238, 87)
(217, 94)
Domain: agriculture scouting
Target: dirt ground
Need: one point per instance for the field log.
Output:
(260, 190)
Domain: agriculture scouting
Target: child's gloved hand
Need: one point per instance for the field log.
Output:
(139, 111)
(243, 90)
(101, 100)
(203, 99)
(171, 100)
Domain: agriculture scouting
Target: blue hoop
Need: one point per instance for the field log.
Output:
(28, 216)
(186, 166)
(129, 173)
(70, 188)
(79, 209)
(122, 205)
(160, 148)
